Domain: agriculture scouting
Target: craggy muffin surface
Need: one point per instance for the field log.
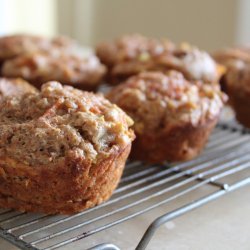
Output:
(14, 86)
(67, 67)
(131, 47)
(157, 100)
(238, 76)
(173, 117)
(228, 56)
(61, 150)
(237, 81)
(14, 45)
(59, 121)
(133, 54)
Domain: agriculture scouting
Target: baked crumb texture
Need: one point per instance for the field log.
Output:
(228, 56)
(61, 150)
(72, 69)
(173, 117)
(39, 59)
(231, 59)
(236, 80)
(132, 54)
(14, 86)
(238, 90)
(14, 45)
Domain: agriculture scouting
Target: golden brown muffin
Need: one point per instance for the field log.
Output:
(129, 47)
(14, 86)
(61, 150)
(238, 90)
(14, 45)
(84, 72)
(130, 55)
(229, 57)
(173, 117)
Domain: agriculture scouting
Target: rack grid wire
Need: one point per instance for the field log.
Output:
(224, 164)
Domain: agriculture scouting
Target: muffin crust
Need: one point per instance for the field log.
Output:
(14, 45)
(131, 46)
(238, 90)
(228, 56)
(61, 150)
(231, 58)
(14, 86)
(130, 55)
(164, 106)
(66, 67)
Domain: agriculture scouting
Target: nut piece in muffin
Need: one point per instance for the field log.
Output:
(61, 150)
(173, 117)
(130, 55)
(14, 45)
(238, 90)
(14, 86)
(71, 68)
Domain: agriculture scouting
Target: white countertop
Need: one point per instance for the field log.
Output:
(222, 224)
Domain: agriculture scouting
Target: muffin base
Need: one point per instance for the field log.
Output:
(66, 189)
(177, 144)
(240, 101)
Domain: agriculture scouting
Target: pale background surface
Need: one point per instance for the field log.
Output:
(208, 24)
(220, 225)
(28, 16)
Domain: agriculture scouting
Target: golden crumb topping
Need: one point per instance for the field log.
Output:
(156, 101)
(133, 54)
(238, 75)
(134, 46)
(14, 45)
(66, 67)
(58, 122)
(228, 56)
(14, 86)
(195, 64)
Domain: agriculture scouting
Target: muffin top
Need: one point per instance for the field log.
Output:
(14, 45)
(228, 56)
(66, 67)
(193, 63)
(156, 101)
(59, 124)
(131, 47)
(133, 54)
(238, 75)
(15, 86)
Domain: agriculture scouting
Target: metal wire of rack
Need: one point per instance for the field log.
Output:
(142, 189)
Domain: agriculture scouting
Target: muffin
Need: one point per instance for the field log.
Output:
(61, 150)
(237, 79)
(14, 86)
(14, 45)
(173, 117)
(130, 55)
(84, 72)
(129, 47)
(229, 57)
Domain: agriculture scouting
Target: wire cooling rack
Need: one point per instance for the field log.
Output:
(224, 165)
